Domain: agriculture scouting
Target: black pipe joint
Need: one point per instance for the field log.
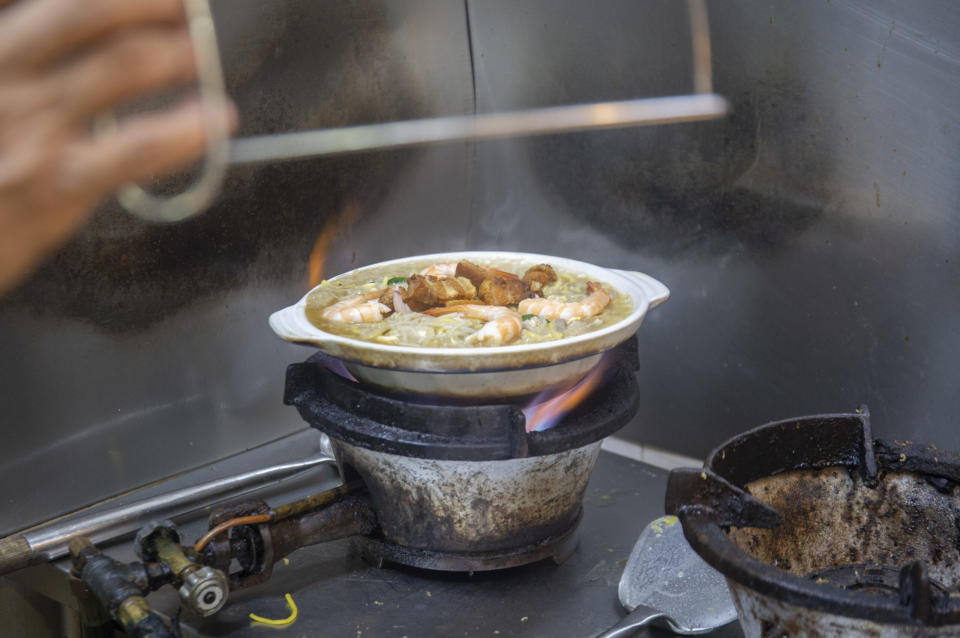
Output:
(112, 582)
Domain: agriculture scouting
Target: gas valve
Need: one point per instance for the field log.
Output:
(121, 588)
(202, 589)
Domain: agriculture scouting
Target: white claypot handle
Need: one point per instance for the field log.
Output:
(655, 292)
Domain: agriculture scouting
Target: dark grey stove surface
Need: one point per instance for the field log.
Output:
(338, 594)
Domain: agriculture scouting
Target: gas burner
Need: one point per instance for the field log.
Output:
(820, 530)
(464, 488)
(441, 487)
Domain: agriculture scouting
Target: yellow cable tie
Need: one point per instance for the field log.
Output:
(282, 622)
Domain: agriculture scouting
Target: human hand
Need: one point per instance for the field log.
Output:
(62, 62)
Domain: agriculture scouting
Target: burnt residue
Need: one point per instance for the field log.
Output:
(940, 466)
(901, 520)
(689, 191)
(472, 506)
(956, 523)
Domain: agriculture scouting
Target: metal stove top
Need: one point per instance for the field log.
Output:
(338, 594)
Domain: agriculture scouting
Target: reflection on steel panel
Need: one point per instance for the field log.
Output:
(810, 239)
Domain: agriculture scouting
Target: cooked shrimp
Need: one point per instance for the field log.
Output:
(503, 325)
(364, 308)
(593, 304)
(448, 269)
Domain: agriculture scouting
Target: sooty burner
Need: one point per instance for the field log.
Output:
(464, 488)
(823, 531)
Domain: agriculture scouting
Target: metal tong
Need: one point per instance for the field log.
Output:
(703, 104)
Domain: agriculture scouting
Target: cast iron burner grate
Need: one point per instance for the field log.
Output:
(347, 411)
(879, 580)
(819, 527)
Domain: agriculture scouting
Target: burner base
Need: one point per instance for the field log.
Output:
(558, 548)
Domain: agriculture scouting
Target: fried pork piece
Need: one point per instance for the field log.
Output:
(539, 276)
(494, 287)
(476, 274)
(428, 292)
(500, 291)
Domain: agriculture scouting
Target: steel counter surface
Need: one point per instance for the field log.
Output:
(338, 594)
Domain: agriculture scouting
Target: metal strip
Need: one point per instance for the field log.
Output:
(557, 119)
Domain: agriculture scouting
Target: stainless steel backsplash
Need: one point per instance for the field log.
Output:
(811, 240)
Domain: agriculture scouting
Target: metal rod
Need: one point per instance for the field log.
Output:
(700, 38)
(557, 119)
(50, 541)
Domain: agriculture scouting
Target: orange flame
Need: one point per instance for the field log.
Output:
(337, 225)
(545, 415)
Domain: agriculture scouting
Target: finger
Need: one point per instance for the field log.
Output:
(37, 33)
(35, 215)
(130, 65)
(143, 146)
